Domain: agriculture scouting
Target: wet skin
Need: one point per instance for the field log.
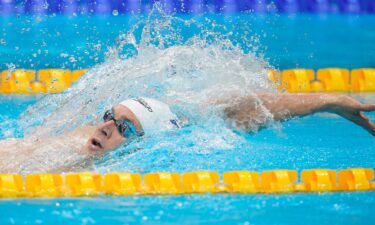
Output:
(106, 136)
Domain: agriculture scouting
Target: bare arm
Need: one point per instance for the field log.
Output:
(284, 106)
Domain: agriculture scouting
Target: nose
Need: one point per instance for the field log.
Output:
(107, 128)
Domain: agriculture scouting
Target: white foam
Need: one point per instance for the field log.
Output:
(189, 74)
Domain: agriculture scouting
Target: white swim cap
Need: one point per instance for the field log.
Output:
(153, 115)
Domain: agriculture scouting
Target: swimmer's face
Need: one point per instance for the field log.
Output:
(107, 136)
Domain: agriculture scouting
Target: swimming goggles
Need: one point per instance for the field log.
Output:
(124, 127)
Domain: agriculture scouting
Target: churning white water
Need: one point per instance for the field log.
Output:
(188, 70)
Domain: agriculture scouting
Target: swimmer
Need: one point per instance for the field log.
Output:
(133, 118)
(136, 117)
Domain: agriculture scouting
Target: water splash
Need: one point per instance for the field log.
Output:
(159, 63)
(158, 58)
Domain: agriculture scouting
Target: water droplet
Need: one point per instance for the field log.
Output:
(45, 5)
(115, 12)
(72, 59)
(97, 47)
(64, 55)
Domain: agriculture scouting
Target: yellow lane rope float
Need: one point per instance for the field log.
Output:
(21, 81)
(166, 183)
(324, 80)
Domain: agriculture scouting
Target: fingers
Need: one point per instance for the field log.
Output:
(360, 114)
(365, 122)
(349, 104)
(352, 109)
(361, 120)
(370, 127)
(368, 107)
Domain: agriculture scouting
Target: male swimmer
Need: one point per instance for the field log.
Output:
(133, 118)
(136, 117)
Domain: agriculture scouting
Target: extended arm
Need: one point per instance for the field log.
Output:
(284, 106)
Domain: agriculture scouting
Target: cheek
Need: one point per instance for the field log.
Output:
(115, 141)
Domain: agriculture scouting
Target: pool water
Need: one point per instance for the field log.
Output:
(319, 141)
(286, 41)
(341, 208)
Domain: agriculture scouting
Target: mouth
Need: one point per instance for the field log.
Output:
(95, 144)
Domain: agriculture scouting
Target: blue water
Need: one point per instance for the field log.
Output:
(342, 208)
(318, 141)
(287, 41)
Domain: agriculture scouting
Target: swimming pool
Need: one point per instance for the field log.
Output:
(320, 141)
(315, 147)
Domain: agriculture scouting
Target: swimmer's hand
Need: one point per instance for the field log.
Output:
(352, 110)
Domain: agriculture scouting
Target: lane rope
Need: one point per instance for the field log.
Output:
(167, 183)
(49, 81)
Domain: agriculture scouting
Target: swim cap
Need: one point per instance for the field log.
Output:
(153, 115)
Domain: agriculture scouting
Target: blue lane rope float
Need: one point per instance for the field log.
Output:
(167, 183)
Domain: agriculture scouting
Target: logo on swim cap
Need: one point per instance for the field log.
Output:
(144, 103)
(152, 114)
